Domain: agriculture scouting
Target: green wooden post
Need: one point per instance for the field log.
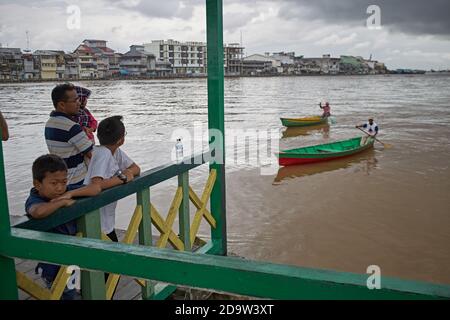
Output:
(184, 218)
(216, 117)
(8, 287)
(92, 282)
(145, 235)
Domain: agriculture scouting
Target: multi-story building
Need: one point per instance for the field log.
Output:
(114, 65)
(11, 64)
(184, 57)
(71, 66)
(232, 58)
(86, 61)
(60, 63)
(191, 57)
(137, 62)
(95, 59)
(30, 66)
(46, 61)
(162, 68)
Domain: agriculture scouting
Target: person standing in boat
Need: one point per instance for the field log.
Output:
(326, 109)
(371, 128)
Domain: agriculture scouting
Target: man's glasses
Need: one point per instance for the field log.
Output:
(76, 100)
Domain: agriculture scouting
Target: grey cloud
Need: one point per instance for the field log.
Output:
(407, 16)
(160, 9)
(234, 21)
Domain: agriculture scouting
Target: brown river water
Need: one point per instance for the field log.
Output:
(387, 206)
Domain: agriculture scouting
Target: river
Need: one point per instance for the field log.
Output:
(387, 207)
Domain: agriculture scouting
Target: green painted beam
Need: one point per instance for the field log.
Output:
(226, 274)
(145, 235)
(145, 180)
(8, 284)
(163, 291)
(92, 282)
(5, 223)
(216, 118)
(183, 213)
(8, 287)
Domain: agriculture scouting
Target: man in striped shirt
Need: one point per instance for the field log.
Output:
(65, 137)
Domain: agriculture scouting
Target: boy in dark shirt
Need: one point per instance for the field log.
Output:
(50, 192)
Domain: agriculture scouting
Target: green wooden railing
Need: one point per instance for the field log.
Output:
(208, 267)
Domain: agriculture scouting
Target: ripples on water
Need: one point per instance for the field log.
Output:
(328, 215)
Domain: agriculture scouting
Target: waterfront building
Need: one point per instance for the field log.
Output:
(232, 59)
(71, 66)
(137, 62)
(251, 62)
(184, 57)
(30, 66)
(60, 63)
(96, 60)
(257, 67)
(190, 57)
(324, 65)
(46, 62)
(11, 64)
(284, 57)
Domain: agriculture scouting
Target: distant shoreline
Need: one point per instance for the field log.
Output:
(204, 77)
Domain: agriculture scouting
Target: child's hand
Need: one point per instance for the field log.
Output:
(88, 130)
(68, 202)
(65, 196)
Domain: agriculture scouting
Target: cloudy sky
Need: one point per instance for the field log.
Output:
(413, 33)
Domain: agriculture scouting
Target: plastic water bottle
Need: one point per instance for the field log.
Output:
(179, 150)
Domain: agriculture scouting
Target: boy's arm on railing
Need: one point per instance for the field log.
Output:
(145, 180)
(106, 183)
(86, 191)
(42, 210)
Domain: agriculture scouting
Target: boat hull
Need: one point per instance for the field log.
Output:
(303, 122)
(296, 157)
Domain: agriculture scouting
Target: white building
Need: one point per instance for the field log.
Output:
(184, 57)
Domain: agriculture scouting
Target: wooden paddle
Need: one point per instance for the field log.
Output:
(386, 145)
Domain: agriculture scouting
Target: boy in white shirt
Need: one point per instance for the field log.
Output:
(110, 167)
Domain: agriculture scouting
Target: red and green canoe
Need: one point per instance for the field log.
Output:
(323, 152)
(303, 122)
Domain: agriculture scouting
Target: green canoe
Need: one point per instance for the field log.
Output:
(323, 152)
